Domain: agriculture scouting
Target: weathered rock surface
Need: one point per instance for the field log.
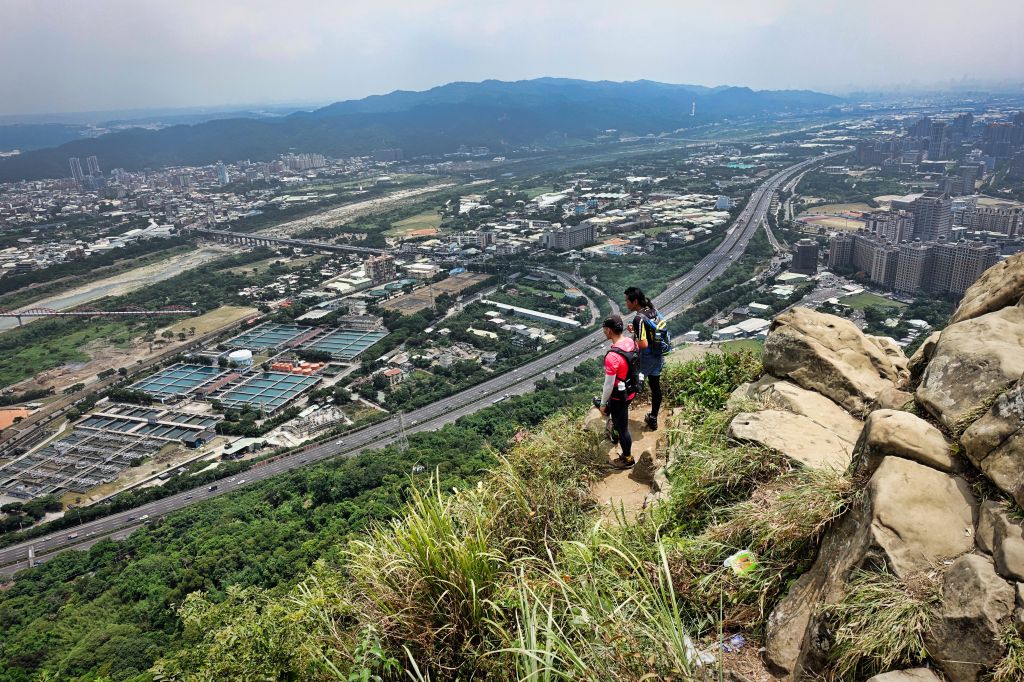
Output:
(892, 432)
(895, 354)
(1000, 286)
(985, 534)
(964, 638)
(920, 515)
(911, 675)
(894, 399)
(779, 394)
(828, 354)
(974, 361)
(911, 519)
(1007, 546)
(795, 436)
(919, 360)
(995, 442)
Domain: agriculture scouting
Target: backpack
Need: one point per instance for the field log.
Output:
(632, 380)
(657, 331)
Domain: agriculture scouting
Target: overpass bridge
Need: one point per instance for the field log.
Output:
(94, 312)
(229, 237)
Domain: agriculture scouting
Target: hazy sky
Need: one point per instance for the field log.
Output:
(77, 55)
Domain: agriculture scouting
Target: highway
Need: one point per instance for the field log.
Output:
(519, 381)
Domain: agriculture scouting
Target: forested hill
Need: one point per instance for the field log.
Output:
(494, 114)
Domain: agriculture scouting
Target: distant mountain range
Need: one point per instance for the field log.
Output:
(496, 114)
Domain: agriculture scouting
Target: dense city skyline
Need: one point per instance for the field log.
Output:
(196, 54)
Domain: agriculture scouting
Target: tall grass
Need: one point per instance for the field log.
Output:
(879, 625)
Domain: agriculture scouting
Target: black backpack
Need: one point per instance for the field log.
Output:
(632, 379)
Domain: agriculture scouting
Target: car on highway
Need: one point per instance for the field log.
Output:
(188, 497)
(339, 442)
(213, 487)
(240, 481)
(73, 536)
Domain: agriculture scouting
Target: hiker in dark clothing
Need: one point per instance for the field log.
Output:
(651, 358)
(618, 391)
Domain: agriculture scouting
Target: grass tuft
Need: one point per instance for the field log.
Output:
(879, 625)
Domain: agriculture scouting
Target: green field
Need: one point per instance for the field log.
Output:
(753, 345)
(426, 220)
(534, 192)
(863, 300)
(21, 361)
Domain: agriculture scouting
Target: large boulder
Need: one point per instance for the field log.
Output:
(1000, 286)
(912, 518)
(1008, 546)
(964, 637)
(829, 355)
(893, 432)
(778, 394)
(920, 515)
(974, 361)
(795, 436)
(995, 442)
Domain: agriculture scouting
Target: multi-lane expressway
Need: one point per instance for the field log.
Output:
(679, 294)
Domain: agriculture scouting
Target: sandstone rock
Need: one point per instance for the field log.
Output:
(1000, 286)
(895, 354)
(790, 642)
(911, 518)
(965, 373)
(894, 399)
(911, 675)
(828, 354)
(919, 360)
(594, 421)
(995, 442)
(892, 432)
(1008, 546)
(778, 394)
(964, 637)
(793, 435)
(985, 535)
(920, 515)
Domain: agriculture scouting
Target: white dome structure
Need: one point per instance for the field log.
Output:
(241, 357)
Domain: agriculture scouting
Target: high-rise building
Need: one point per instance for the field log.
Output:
(1005, 219)
(943, 259)
(380, 268)
(972, 259)
(969, 174)
(569, 237)
(913, 267)
(933, 216)
(805, 257)
(892, 226)
(840, 251)
(938, 140)
(94, 166)
(222, 173)
(76, 170)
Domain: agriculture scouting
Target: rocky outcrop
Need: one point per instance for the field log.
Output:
(829, 355)
(795, 436)
(912, 519)
(902, 434)
(976, 602)
(995, 442)
(973, 363)
(919, 515)
(1000, 286)
(777, 394)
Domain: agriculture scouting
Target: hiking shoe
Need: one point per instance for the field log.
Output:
(622, 462)
(651, 421)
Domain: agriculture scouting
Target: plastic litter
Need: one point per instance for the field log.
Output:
(742, 562)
